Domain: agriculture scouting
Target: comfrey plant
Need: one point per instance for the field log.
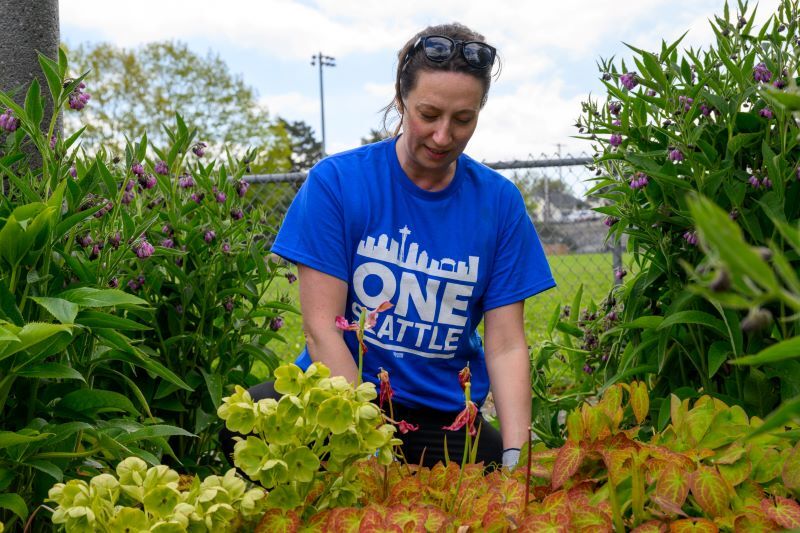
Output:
(698, 122)
(306, 446)
(139, 498)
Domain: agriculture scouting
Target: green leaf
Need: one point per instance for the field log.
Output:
(274, 304)
(739, 141)
(787, 412)
(214, 387)
(71, 221)
(150, 432)
(99, 319)
(784, 350)
(32, 334)
(694, 317)
(723, 238)
(654, 69)
(644, 322)
(141, 360)
(63, 310)
(14, 503)
(50, 371)
(33, 103)
(48, 468)
(90, 297)
(9, 438)
(717, 355)
(92, 401)
(8, 305)
(50, 70)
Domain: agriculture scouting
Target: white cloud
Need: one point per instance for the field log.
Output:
(292, 106)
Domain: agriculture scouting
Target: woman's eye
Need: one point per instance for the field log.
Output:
(464, 120)
(429, 118)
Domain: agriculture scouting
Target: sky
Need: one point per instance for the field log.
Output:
(548, 52)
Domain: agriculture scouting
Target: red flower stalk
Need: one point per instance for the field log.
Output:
(386, 389)
(405, 427)
(467, 418)
(464, 377)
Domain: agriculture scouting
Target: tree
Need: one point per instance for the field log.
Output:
(140, 89)
(306, 149)
(375, 136)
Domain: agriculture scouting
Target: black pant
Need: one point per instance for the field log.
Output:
(428, 439)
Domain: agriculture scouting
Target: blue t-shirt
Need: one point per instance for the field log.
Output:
(442, 258)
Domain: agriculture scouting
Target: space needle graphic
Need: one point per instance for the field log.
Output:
(389, 250)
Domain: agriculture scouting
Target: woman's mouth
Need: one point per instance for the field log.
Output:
(436, 154)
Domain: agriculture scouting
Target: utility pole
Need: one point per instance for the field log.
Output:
(322, 61)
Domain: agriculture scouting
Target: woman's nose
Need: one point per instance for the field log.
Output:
(441, 134)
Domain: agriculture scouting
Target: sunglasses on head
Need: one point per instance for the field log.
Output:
(439, 48)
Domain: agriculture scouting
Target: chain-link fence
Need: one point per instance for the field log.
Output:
(555, 192)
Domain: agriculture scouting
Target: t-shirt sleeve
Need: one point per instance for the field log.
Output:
(520, 268)
(313, 230)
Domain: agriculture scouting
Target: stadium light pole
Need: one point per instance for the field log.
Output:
(322, 61)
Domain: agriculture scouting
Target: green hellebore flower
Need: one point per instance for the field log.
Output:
(315, 372)
(277, 430)
(106, 486)
(345, 445)
(129, 519)
(220, 517)
(252, 503)
(239, 412)
(302, 463)
(80, 519)
(284, 497)
(366, 392)
(171, 526)
(289, 379)
(161, 500)
(335, 414)
(131, 473)
(290, 408)
(250, 454)
(187, 514)
(160, 475)
(274, 472)
(74, 492)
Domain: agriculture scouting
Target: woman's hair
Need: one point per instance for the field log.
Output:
(411, 61)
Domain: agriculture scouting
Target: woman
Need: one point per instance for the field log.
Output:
(413, 221)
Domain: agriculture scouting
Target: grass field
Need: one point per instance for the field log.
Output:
(594, 271)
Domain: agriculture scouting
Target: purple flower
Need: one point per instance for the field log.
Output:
(587, 368)
(73, 171)
(766, 183)
(197, 198)
(199, 149)
(651, 92)
(228, 304)
(241, 188)
(209, 235)
(95, 253)
(766, 113)
(639, 181)
(610, 221)
(137, 169)
(779, 83)
(629, 80)
(276, 323)
(686, 102)
(129, 186)
(127, 197)
(219, 195)
(78, 98)
(615, 140)
(675, 155)
(237, 214)
(83, 240)
(761, 73)
(161, 168)
(691, 237)
(105, 209)
(753, 181)
(620, 273)
(168, 243)
(186, 181)
(612, 316)
(290, 277)
(734, 214)
(114, 240)
(53, 140)
(616, 122)
(113, 283)
(614, 107)
(8, 122)
(226, 248)
(143, 249)
(166, 230)
(133, 285)
(147, 182)
(705, 110)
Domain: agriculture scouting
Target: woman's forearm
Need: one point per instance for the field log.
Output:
(509, 374)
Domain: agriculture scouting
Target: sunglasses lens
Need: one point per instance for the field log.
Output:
(478, 55)
(438, 48)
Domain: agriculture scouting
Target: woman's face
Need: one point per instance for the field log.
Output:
(441, 114)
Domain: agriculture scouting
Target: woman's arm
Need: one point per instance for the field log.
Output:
(322, 299)
(508, 364)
